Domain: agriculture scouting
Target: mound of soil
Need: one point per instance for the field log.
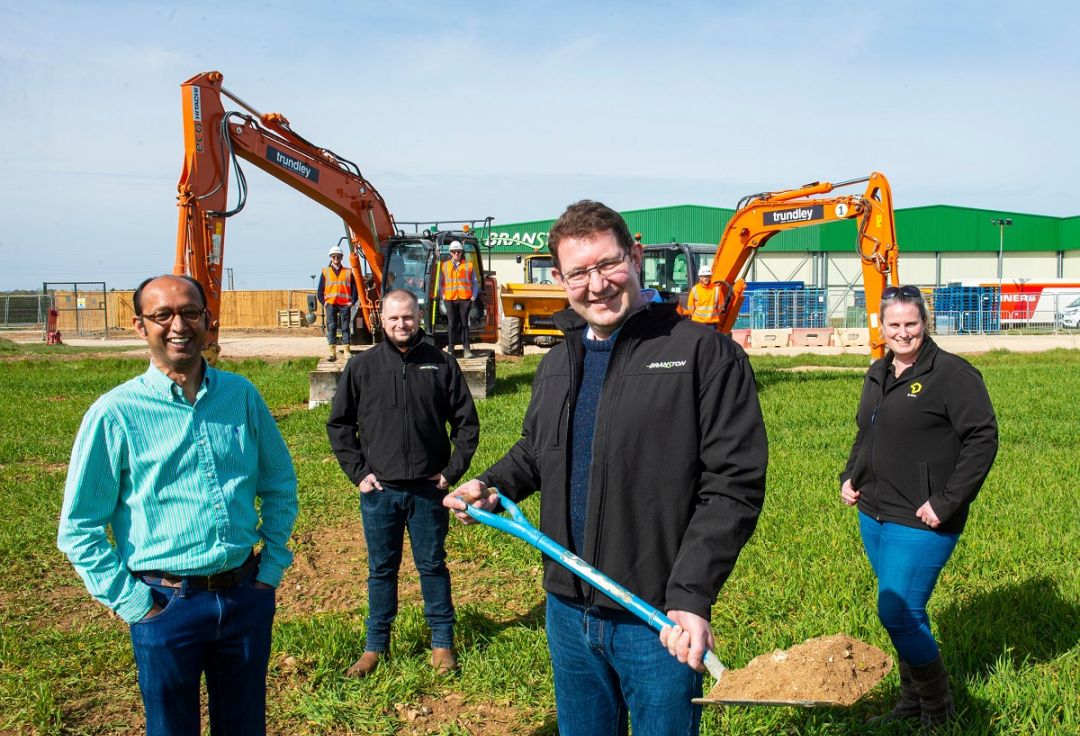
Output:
(836, 670)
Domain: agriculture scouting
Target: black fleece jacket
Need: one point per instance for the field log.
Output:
(929, 435)
(390, 413)
(678, 464)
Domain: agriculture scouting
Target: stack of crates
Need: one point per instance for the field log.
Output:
(963, 309)
(746, 319)
(783, 308)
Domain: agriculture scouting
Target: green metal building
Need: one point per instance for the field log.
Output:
(938, 244)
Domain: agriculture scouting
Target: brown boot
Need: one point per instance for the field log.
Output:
(364, 666)
(443, 660)
(333, 354)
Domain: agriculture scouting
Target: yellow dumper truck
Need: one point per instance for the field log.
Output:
(528, 308)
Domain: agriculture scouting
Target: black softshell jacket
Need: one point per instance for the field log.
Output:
(390, 413)
(679, 459)
(932, 435)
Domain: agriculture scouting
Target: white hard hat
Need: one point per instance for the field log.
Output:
(456, 245)
(335, 251)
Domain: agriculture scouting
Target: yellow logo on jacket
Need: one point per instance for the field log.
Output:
(914, 389)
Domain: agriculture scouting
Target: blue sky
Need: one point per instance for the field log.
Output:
(463, 110)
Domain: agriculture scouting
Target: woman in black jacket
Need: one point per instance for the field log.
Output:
(927, 436)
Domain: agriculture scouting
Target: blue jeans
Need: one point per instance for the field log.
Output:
(609, 666)
(224, 633)
(337, 317)
(387, 514)
(907, 562)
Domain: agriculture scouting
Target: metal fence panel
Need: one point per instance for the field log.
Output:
(24, 311)
(83, 307)
(951, 312)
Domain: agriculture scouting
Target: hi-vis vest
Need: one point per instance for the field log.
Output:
(336, 286)
(703, 304)
(457, 283)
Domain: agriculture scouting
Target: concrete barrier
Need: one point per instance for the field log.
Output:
(742, 337)
(811, 337)
(323, 381)
(479, 373)
(852, 337)
(770, 338)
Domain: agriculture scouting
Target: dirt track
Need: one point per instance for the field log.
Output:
(283, 344)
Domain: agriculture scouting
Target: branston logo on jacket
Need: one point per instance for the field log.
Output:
(667, 364)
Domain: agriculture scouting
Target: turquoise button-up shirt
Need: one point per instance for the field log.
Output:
(177, 483)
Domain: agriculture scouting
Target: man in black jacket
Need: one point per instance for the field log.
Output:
(387, 428)
(645, 435)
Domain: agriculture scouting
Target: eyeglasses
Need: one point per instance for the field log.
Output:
(607, 267)
(164, 317)
(911, 292)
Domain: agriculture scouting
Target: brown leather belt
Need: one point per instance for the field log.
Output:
(217, 581)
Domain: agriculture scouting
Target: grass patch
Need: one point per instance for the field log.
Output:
(12, 349)
(1007, 609)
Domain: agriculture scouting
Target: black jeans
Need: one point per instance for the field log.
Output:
(457, 319)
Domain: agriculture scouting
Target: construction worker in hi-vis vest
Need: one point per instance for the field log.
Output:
(337, 292)
(704, 301)
(459, 288)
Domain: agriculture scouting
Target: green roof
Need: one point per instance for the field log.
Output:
(931, 228)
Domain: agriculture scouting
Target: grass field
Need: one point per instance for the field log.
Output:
(1007, 609)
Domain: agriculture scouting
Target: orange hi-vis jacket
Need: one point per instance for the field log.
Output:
(457, 282)
(704, 304)
(337, 287)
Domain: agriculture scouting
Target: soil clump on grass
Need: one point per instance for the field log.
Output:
(330, 569)
(439, 714)
(829, 669)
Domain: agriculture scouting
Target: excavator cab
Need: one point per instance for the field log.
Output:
(672, 268)
(409, 266)
(413, 263)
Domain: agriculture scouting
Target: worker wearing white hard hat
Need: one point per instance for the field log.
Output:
(703, 302)
(459, 289)
(337, 293)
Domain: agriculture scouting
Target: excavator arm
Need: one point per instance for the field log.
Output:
(759, 217)
(214, 139)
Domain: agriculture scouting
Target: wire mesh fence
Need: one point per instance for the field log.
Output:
(953, 310)
(24, 311)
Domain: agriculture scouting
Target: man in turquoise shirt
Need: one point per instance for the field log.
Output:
(172, 462)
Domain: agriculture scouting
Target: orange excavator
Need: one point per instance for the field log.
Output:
(758, 217)
(213, 141)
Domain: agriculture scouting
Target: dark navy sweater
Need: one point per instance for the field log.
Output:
(597, 355)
